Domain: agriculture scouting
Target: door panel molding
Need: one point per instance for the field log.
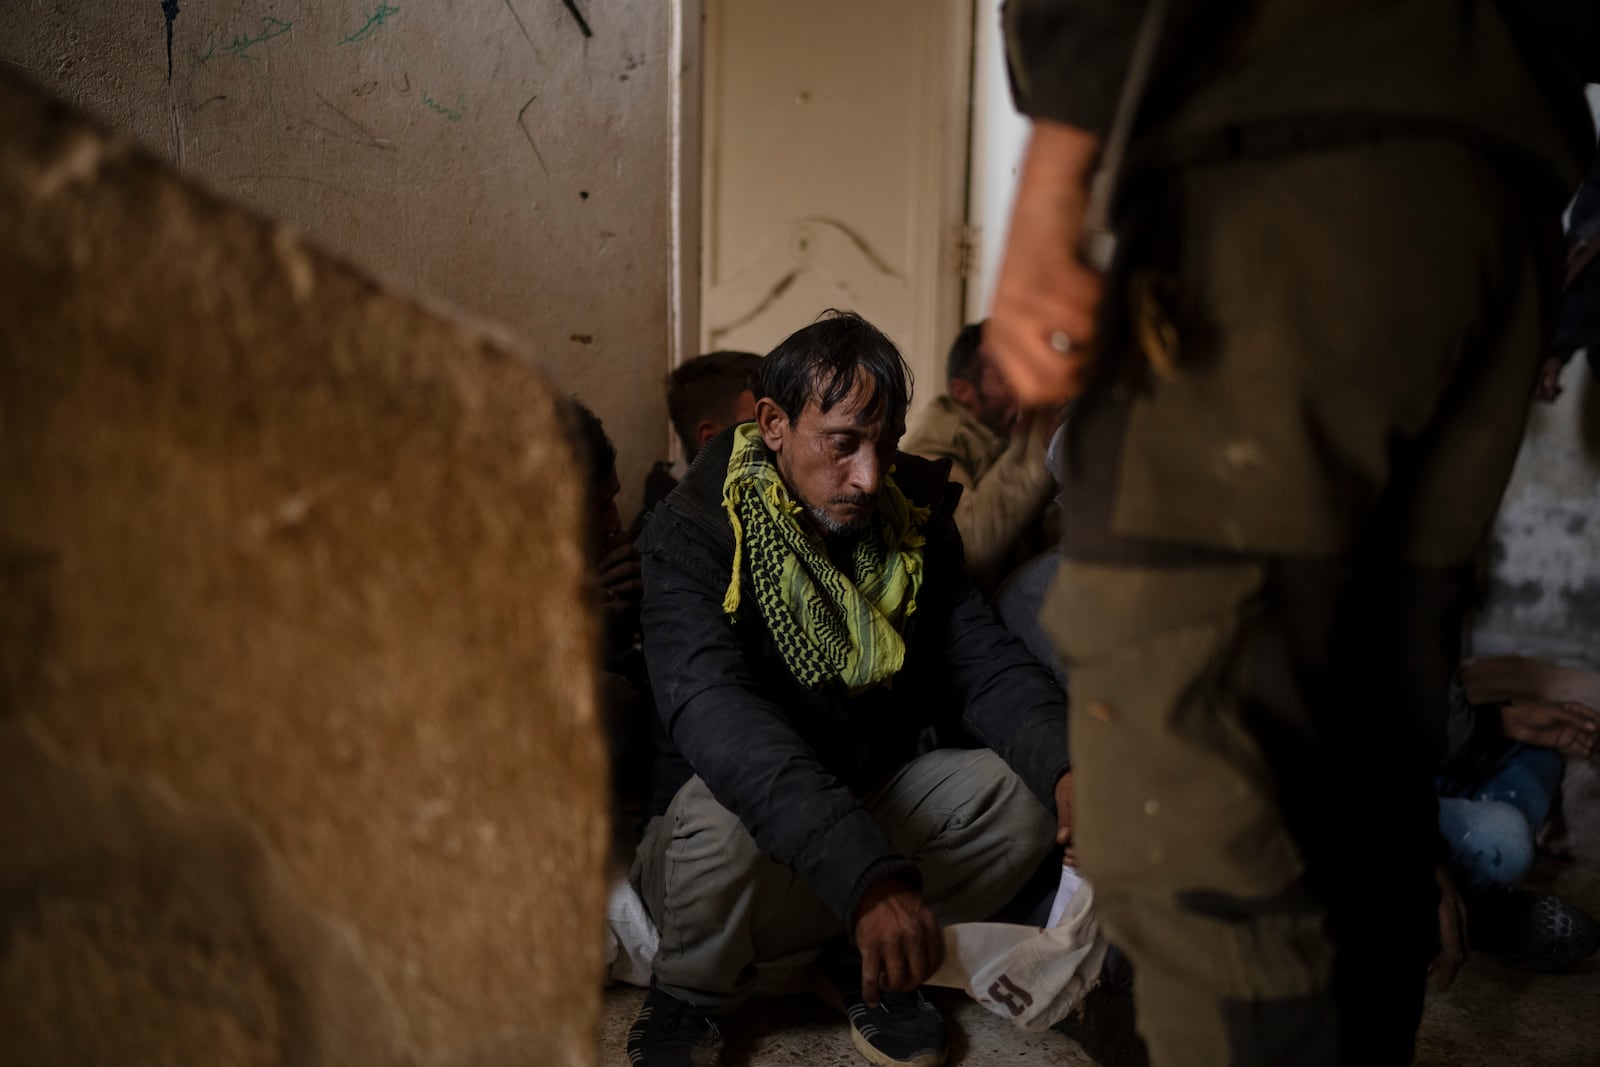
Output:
(835, 171)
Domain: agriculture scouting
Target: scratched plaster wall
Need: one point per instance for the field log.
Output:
(507, 156)
(1544, 596)
(1544, 563)
(299, 761)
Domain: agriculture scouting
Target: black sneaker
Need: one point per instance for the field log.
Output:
(904, 1030)
(670, 1033)
(1531, 931)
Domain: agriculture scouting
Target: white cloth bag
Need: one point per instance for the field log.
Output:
(631, 938)
(1034, 976)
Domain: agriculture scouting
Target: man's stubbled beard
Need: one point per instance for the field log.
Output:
(843, 529)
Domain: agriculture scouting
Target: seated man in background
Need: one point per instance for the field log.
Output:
(624, 689)
(997, 454)
(704, 395)
(1500, 778)
(806, 620)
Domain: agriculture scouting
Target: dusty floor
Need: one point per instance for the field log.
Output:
(1492, 1017)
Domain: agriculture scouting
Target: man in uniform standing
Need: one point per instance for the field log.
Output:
(1301, 385)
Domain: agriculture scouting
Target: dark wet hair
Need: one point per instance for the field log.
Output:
(964, 364)
(821, 362)
(707, 387)
(595, 450)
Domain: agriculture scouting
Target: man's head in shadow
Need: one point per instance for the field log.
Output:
(709, 393)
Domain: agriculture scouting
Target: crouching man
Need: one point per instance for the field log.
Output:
(806, 621)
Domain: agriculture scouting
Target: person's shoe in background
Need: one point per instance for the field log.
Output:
(1531, 931)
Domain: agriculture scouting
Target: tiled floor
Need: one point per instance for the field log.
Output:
(1493, 1017)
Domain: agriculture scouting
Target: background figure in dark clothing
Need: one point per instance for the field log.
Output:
(1301, 387)
(618, 586)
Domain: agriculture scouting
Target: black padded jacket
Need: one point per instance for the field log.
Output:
(793, 763)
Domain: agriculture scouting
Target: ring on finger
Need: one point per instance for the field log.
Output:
(1061, 342)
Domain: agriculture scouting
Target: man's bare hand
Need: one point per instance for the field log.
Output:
(1046, 299)
(621, 582)
(898, 938)
(1064, 818)
(1549, 386)
(1453, 947)
(1567, 726)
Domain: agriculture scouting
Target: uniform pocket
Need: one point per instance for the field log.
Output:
(1172, 790)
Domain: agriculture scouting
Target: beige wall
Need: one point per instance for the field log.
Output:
(489, 155)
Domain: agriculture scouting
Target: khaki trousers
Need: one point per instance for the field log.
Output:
(735, 922)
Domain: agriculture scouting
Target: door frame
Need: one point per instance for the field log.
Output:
(686, 103)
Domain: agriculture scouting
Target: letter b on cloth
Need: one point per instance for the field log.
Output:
(1033, 977)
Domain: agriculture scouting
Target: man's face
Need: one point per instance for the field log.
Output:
(989, 399)
(834, 462)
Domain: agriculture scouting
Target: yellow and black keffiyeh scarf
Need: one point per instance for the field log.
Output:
(830, 626)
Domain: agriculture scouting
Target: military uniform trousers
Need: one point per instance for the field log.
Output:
(1267, 559)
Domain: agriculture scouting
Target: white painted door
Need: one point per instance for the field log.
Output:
(835, 171)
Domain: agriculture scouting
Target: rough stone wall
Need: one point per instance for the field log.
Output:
(299, 759)
(504, 156)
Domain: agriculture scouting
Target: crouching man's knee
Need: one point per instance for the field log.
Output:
(972, 827)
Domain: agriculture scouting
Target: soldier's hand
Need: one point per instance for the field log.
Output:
(1042, 322)
(898, 938)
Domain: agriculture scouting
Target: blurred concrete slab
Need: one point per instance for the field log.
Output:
(299, 759)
